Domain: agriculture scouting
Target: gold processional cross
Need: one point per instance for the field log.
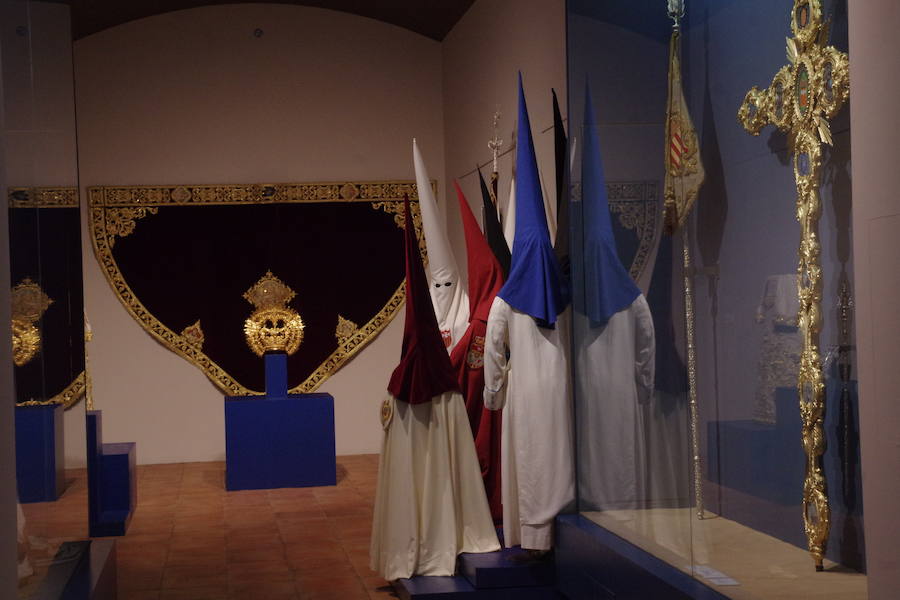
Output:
(802, 97)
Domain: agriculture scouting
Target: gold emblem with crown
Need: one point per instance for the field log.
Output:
(28, 305)
(273, 326)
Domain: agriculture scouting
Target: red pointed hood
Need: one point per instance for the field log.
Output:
(424, 370)
(485, 274)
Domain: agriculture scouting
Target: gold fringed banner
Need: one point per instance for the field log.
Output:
(334, 243)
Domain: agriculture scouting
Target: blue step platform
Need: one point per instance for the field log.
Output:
(487, 576)
(39, 453)
(279, 440)
(112, 481)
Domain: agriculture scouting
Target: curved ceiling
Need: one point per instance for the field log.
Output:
(435, 21)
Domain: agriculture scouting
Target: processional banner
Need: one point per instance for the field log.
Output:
(182, 258)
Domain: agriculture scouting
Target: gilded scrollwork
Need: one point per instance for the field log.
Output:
(43, 197)
(193, 334)
(804, 94)
(121, 221)
(380, 195)
(70, 395)
(345, 330)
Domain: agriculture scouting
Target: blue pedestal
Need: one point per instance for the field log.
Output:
(279, 442)
(112, 482)
(487, 576)
(39, 453)
(276, 374)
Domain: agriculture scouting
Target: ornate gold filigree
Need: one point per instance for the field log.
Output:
(802, 97)
(43, 197)
(193, 335)
(275, 329)
(29, 302)
(121, 221)
(103, 199)
(273, 326)
(269, 292)
(345, 330)
(68, 397)
(26, 342)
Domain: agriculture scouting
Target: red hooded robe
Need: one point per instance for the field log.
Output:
(485, 280)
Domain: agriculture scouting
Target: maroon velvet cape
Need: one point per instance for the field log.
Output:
(485, 280)
(424, 371)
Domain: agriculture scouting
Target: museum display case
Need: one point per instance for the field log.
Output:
(708, 470)
(48, 324)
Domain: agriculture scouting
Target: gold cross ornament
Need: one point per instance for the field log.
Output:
(803, 96)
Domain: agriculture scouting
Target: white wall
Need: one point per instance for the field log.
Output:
(874, 87)
(194, 97)
(482, 55)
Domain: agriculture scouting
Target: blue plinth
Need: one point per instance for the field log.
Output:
(501, 570)
(112, 481)
(279, 442)
(39, 453)
(276, 374)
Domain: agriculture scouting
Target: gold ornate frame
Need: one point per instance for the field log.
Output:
(114, 211)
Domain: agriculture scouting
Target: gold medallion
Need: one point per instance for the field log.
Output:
(28, 305)
(387, 411)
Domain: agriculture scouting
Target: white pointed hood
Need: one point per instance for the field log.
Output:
(448, 295)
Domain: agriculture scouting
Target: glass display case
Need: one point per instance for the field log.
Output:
(45, 269)
(716, 492)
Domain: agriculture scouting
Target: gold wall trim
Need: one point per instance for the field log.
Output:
(69, 397)
(43, 197)
(382, 195)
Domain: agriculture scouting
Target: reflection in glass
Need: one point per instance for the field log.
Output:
(751, 542)
(45, 251)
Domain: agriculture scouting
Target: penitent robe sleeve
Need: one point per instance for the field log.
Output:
(495, 361)
(645, 350)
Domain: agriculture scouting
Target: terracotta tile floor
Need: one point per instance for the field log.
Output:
(191, 540)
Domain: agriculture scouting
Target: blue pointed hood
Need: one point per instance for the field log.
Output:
(535, 284)
(608, 286)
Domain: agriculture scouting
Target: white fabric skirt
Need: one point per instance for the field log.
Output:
(430, 504)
